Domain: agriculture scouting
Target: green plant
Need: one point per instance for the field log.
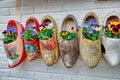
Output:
(112, 30)
(30, 33)
(9, 35)
(68, 35)
(90, 33)
(91, 30)
(46, 32)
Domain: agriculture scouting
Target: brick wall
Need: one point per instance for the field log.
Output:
(58, 9)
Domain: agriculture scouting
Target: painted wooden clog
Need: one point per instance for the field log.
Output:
(32, 45)
(90, 40)
(69, 45)
(48, 40)
(110, 45)
(15, 50)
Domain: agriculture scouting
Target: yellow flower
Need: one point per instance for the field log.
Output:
(44, 28)
(64, 33)
(71, 29)
(114, 27)
(78, 31)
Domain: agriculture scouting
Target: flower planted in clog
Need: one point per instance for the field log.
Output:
(68, 35)
(110, 43)
(13, 44)
(90, 40)
(46, 32)
(48, 40)
(91, 30)
(112, 30)
(69, 48)
(30, 38)
(9, 35)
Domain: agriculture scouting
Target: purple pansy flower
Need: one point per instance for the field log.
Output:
(33, 27)
(90, 30)
(11, 30)
(4, 32)
(43, 25)
(34, 33)
(21, 32)
(78, 27)
(27, 27)
(92, 22)
(97, 25)
(86, 25)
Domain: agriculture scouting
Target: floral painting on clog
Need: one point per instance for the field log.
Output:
(47, 40)
(31, 43)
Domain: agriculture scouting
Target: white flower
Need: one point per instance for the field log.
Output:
(50, 26)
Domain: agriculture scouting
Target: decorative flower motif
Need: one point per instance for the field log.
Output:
(29, 48)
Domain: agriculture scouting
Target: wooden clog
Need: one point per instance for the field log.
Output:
(15, 50)
(111, 46)
(49, 48)
(90, 50)
(69, 48)
(32, 46)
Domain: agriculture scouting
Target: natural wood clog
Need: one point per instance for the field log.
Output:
(90, 50)
(69, 48)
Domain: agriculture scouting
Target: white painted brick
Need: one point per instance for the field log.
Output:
(5, 78)
(2, 27)
(3, 57)
(3, 65)
(14, 11)
(67, 77)
(38, 70)
(41, 8)
(4, 72)
(100, 70)
(56, 77)
(5, 19)
(4, 11)
(1, 43)
(22, 74)
(2, 50)
(85, 5)
(26, 79)
(27, 10)
(62, 70)
(30, 3)
(35, 66)
(42, 76)
(90, 78)
(7, 3)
